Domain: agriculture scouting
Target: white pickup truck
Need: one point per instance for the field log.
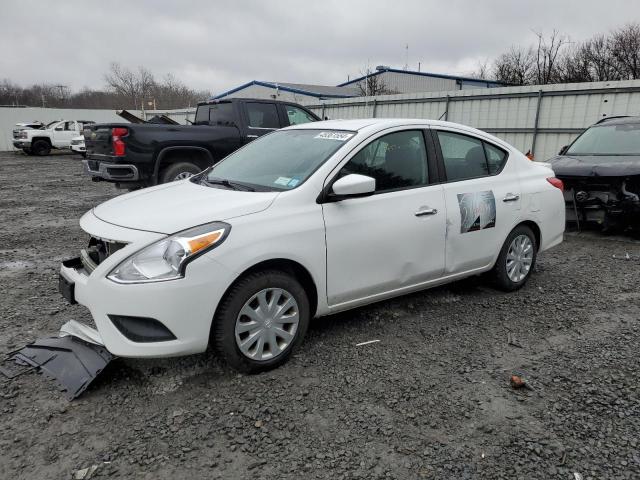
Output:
(56, 135)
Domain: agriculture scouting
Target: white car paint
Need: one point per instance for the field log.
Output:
(357, 251)
(77, 144)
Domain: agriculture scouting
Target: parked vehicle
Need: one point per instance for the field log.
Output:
(307, 221)
(56, 135)
(140, 155)
(78, 146)
(601, 172)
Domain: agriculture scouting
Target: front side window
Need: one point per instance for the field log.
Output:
(281, 160)
(263, 115)
(397, 160)
(297, 115)
(463, 156)
(70, 126)
(623, 139)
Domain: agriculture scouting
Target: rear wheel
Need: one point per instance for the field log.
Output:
(516, 260)
(261, 320)
(41, 147)
(178, 171)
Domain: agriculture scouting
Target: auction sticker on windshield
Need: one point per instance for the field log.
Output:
(340, 136)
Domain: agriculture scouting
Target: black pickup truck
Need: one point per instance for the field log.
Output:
(141, 155)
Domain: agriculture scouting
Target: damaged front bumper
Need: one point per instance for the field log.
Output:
(608, 202)
(73, 359)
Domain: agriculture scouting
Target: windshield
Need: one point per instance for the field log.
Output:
(49, 125)
(281, 160)
(623, 139)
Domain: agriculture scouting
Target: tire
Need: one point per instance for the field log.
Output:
(41, 148)
(178, 171)
(505, 281)
(27, 151)
(225, 338)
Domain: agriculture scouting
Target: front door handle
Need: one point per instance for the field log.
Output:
(252, 136)
(511, 197)
(426, 211)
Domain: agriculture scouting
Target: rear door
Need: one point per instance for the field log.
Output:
(261, 118)
(482, 196)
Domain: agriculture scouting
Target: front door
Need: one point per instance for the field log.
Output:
(63, 133)
(394, 238)
(482, 194)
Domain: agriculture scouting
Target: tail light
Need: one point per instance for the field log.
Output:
(556, 182)
(116, 140)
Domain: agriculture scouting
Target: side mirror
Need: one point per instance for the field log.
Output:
(563, 150)
(354, 185)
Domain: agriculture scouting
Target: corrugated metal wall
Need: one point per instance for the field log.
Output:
(540, 118)
(258, 91)
(402, 82)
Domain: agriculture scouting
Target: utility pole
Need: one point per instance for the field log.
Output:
(406, 57)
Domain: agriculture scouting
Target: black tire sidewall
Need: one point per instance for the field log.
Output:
(223, 329)
(40, 148)
(170, 172)
(500, 269)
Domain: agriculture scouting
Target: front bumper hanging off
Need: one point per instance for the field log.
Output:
(74, 359)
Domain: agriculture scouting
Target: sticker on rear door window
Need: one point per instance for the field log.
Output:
(340, 136)
(477, 211)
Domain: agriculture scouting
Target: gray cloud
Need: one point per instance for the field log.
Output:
(218, 45)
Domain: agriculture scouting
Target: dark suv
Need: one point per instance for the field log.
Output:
(601, 174)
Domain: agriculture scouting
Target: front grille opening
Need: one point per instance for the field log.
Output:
(98, 251)
(142, 329)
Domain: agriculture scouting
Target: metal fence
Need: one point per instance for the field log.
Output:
(538, 118)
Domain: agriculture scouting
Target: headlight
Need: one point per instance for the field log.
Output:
(167, 259)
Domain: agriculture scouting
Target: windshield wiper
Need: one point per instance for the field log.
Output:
(228, 183)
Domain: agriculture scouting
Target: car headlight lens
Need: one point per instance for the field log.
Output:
(167, 259)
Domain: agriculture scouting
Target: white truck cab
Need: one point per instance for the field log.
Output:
(56, 135)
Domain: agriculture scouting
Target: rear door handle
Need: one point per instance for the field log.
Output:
(510, 197)
(426, 211)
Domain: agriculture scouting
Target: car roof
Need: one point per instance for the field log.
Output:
(372, 125)
(620, 120)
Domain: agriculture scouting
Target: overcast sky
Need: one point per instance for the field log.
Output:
(215, 46)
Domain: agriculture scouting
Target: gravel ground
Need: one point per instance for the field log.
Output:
(431, 399)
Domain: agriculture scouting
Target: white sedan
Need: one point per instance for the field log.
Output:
(304, 222)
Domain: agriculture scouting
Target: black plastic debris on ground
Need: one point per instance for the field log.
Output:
(72, 362)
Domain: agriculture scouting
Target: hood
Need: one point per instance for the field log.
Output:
(176, 206)
(596, 165)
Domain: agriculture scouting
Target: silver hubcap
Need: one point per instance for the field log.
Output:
(267, 324)
(183, 175)
(519, 258)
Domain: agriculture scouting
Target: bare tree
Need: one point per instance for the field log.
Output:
(547, 56)
(625, 45)
(516, 67)
(136, 87)
(373, 84)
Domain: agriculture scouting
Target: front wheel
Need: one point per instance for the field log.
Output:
(179, 171)
(516, 260)
(261, 320)
(41, 148)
